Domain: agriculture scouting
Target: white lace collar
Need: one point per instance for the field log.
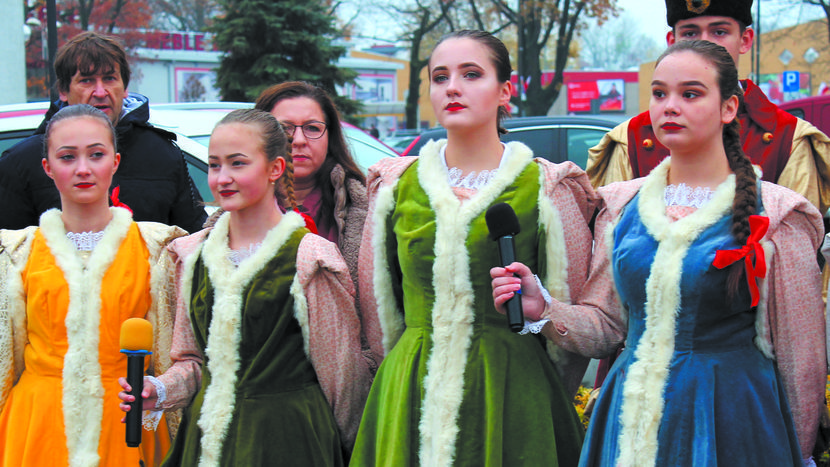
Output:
(473, 180)
(85, 241)
(684, 195)
(237, 256)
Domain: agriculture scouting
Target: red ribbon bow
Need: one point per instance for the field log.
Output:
(309, 222)
(116, 202)
(758, 226)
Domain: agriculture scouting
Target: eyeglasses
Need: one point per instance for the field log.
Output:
(311, 130)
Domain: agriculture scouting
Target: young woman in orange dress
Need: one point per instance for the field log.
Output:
(266, 311)
(67, 285)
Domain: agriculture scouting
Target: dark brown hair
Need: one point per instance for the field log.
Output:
(274, 144)
(90, 53)
(338, 152)
(746, 189)
(498, 54)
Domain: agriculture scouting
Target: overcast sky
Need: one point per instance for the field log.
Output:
(649, 14)
(651, 17)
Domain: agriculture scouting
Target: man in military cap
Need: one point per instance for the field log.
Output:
(790, 151)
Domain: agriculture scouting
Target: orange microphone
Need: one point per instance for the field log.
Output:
(136, 342)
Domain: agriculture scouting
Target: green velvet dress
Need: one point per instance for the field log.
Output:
(280, 414)
(513, 408)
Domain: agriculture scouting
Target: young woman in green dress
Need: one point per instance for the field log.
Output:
(268, 309)
(456, 386)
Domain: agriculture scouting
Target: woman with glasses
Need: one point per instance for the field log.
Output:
(328, 184)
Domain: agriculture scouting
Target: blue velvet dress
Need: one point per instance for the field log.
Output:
(715, 399)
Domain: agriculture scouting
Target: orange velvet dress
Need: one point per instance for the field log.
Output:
(33, 420)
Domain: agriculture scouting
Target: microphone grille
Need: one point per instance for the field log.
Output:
(501, 221)
(136, 334)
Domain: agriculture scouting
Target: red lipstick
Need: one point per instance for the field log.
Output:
(226, 193)
(84, 185)
(671, 126)
(454, 107)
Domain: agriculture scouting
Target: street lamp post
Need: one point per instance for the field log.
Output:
(52, 38)
(49, 44)
(757, 44)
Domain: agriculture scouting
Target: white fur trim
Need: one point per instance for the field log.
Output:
(645, 383)
(14, 254)
(188, 269)
(222, 350)
(452, 313)
(762, 330)
(609, 251)
(301, 311)
(83, 392)
(390, 317)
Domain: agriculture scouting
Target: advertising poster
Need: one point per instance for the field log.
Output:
(603, 95)
(196, 85)
(773, 86)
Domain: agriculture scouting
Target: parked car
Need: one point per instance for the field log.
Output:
(558, 138)
(197, 119)
(814, 109)
(400, 140)
(192, 123)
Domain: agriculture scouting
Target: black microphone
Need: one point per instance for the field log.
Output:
(136, 338)
(503, 226)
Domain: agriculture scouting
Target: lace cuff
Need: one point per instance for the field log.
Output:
(161, 390)
(535, 327)
(151, 418)
(543, 290)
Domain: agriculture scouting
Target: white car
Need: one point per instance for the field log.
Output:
(192, 123)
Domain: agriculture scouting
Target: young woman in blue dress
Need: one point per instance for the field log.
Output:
(717, 279)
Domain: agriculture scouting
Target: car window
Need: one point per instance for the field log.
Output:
(365, 155)
(796, 112)
(198, 172)
(365, 149)
(579, 140)
(541, 140)
(10, 138)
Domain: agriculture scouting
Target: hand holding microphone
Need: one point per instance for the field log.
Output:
(503, 226)
(136, 342)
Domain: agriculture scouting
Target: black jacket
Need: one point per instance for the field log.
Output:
(153, 174)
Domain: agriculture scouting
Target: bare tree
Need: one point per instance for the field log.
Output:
(537, 23)
(616, 46)
(423, 18)
(185, 15)
(825, 6)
